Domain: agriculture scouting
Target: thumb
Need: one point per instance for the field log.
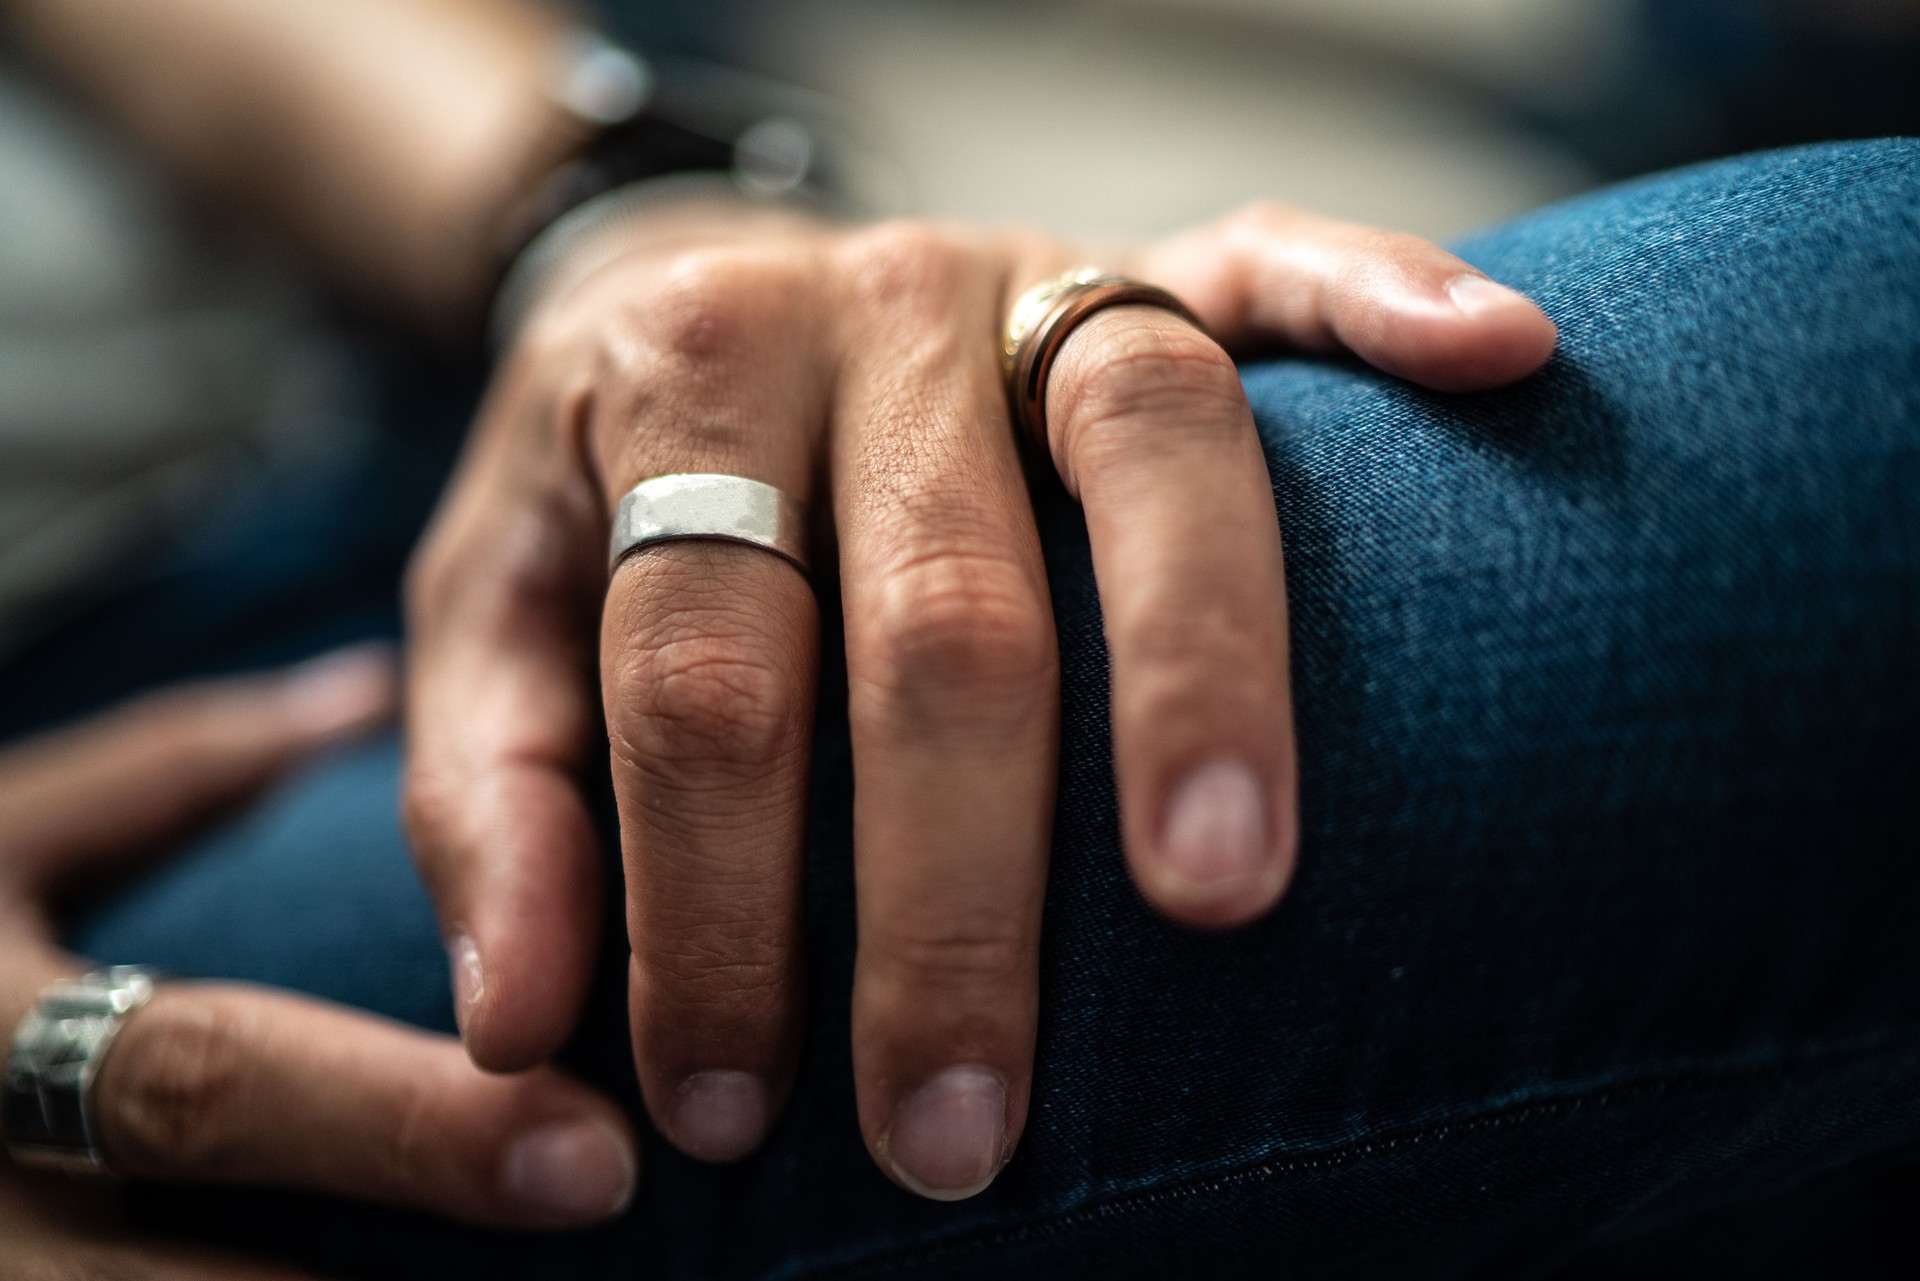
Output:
(99, 793)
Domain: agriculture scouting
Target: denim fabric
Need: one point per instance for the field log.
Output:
(1600, 954)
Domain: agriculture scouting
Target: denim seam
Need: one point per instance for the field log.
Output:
(1475, 1120)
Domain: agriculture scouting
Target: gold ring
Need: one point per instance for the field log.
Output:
(1045, 316)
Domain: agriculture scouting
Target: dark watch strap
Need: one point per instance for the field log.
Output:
(767, 140)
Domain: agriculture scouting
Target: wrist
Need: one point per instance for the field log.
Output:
(676, 154)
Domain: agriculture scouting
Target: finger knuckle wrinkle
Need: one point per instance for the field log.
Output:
(711, 701)
(961, 954)
(417, 1141)
(167, 1109)
(1220, 632)
(713, 984)
(965, 623)
(88, 1267)
(1141, 368)
(1162, 380)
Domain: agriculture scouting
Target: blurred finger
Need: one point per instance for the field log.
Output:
(1149, 427)
(226, 1084)
(156, 1263)
(106, 790)
(501, 710)
(953, 699)
(73, 1258)
(1403, 304)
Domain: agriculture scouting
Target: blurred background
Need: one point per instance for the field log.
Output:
(1132, 117)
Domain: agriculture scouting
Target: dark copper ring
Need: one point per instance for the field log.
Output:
(1042, 321)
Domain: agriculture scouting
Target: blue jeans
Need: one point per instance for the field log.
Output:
(1602, 951)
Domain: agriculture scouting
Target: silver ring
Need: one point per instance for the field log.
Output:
(46, 1112)
(703, 505)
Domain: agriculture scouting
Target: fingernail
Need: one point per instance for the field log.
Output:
(1474, 294)
(948, 1138)
(345, 692)
(469, 980)
(719, 1116)
(1216, 827)
(575, 1170)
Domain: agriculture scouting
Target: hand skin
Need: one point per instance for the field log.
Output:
(225, 1083)
(856, 369)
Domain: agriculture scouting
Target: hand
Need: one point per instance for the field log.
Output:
(223, 1083)
(856, 369)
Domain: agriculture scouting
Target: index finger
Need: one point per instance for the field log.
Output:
(500, 713)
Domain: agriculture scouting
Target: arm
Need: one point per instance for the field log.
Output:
(388, 139)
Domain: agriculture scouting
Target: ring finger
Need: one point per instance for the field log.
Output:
(954, 709)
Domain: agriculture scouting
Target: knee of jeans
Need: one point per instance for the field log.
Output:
(1730, 426)
(310, 888)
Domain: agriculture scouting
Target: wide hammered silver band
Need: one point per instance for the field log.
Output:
(46, 1111)
(703, 505)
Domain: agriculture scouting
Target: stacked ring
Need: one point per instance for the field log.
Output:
(1042, 320)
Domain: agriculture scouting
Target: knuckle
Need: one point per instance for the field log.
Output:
(537, 567)
(728, 970)
(1263, 217)
(716, 305)
(677, 356)
(969, 624)
(171, 1086)
(1218, 631)
(405, 1152)
(429, 809)
(706, 994)
(1164, 370)
(93, 1265)
(710, 700)
(1136, 367)
(986, 951)
(906, 264)
(1198, 666)
(530, 566)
